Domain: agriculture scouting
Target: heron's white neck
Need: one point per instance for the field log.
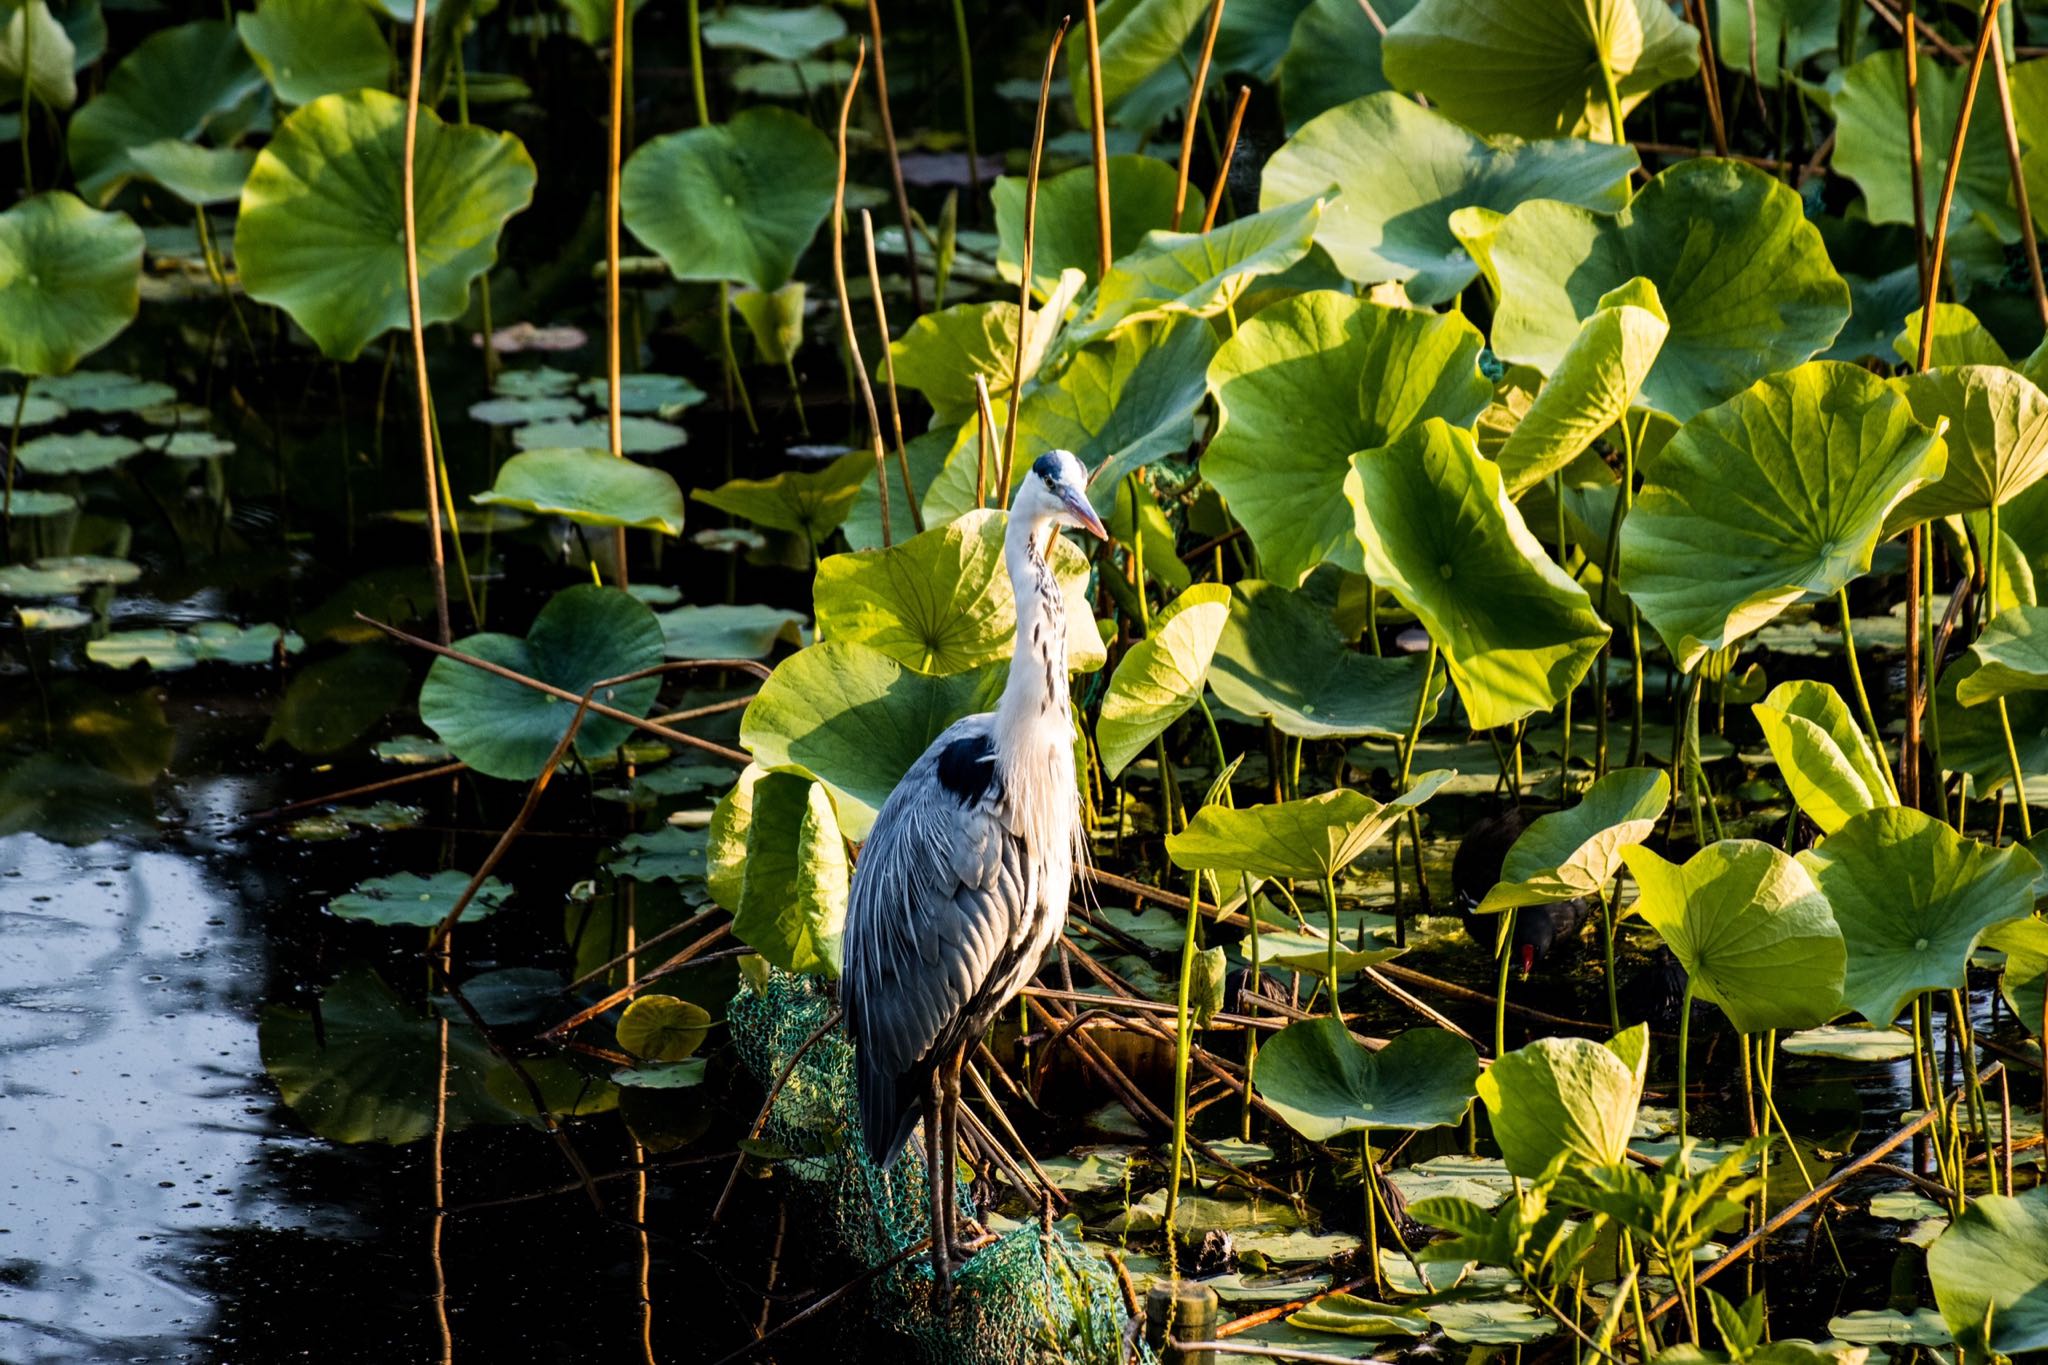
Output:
(1034, 712)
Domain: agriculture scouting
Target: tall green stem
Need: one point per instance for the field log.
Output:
(13, 445)
(1369, 1171)
(2012, 751)
(1607, 952)
(1183, 1045)
(1684, 1048)
(1862, 696)
(1504, 951)
(1330, 908)
(967, 94)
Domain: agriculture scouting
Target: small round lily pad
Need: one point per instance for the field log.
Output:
(663, 1028)
(104, 391)
(1849, 1043)
(53, 618)
(75, 452)
(637, 435)
(64, 575)
(37, 502)
(512, 412)
(541, 381)
(681, 1075)
(406, 898)
(193, 445)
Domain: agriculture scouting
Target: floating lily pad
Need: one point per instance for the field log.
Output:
(1490, 1322)
(83, 452)
(1905, 1206)
(1850, 1043)
(1566, 1095)
(784, 34)
(684, 1075)
(512, 412)
(70, 278)
(64, 575)
(175, 83)
(1324, 1083)
(193, 445)
(1889, 1327)
(105, 391)
(722, 631)
(504, 729)
(589, 487)
(1348, 1315)
(663, 1028)
(310, 48)
(26, 503)
(737, 201)
(52, 618)
(543, 381)
(637, 435)
(1576, 851)
(168, 651)
(321, 245)
(406, 898)
(810, 502)
(664, 395)
(669, 853)
(1161, 677)
(332, 704)
(1280, 657)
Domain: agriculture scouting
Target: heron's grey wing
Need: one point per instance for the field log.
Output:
(932, 914)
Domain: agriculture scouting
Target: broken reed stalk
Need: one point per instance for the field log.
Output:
(860, 369)
(1187, 127)
(985, 434)
(867, 233)
(625, 993)
(1244, 97)
(2003, 87)
(622, 33)
(1052, 53)
(633, 953)
(895, 161)
(436, 557)
(1909, 748)
(1942, 206)
(1099, 144)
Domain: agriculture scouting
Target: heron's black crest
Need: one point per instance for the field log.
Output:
(967, 766)
(1047, 467)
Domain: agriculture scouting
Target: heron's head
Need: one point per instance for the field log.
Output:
(1055, 493)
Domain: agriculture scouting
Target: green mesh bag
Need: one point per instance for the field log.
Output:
(1036, 1296)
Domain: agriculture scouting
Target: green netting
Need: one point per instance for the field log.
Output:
(1034, 1296)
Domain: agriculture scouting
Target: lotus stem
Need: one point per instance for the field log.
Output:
(1368, 1172)
(1330, 910)
(622, 32)
(1959, 1023)
(436, 564)
(1613, 92)
(1052, 53)
(896, 162)
(1607, 929)
(1183, 1043)
(1222, 182)
(867, 232)
(1504, 953)
(1684, 1048)
(1988, 29)
(860, 369)
(1863, 696)
(1187, 126)
(697, 94)
(1992, 541)
(967, 97)
(1407, 763)
(1099, 145)
(28, 95)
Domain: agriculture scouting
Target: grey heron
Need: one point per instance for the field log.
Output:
(962, 884)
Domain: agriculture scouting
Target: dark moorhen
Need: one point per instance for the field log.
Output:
(1476, 870)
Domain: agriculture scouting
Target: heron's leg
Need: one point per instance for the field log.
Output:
(964, 1246)
(935, 1181)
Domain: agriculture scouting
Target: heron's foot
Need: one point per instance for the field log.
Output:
(964, 1248)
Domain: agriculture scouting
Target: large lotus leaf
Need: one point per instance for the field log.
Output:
(1533, 67)
(785, 34)
(1575, 852)
(30, 31)
(2012, 655)
(506, 729)
(1871, 147)
(1313, 838)
(1989, 1271)
(1822, 754)
(734, 202)
(1743, 277)
(1973, 739)
(1566, 1095)
(590, 487)
(175, 83)
(1196, 274)
(1138, 37)
(2024, 980)
(1401, 170)
(940, 602)
(856, 719)
(1997, 438)
(406, 898)
(728, 630)
(310, 48)
(1323, 1082)
(1333, 56)
(1117, 407)
(320, 232)
(1807, 28)
(1912, 897)
(939, 355)
(1065, 233)
(1959, 339)
(198, 175)
(70, 278)
(1749, 925)
(807, 502)
(1162, 675)
(1282, 659)
(1307, 383)
(725, 838)
(1778, 493)
(1592, 388)
(792, 906)
(1438, 531)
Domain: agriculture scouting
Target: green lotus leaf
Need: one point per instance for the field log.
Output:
(36, 410)
(75, 452)
(1333, 56)
(1138, 37)
(784, 34)
(1750, 927)
(1743, 277)
(1912, 897)
(543, 381)
(1779, 493)
(856, 719)
(1870, 144)
(310, 48)
(1807, 28)
(736, 201)
(1196, 274)
(406, 898)
(63, 575)
(331, 705)
(505, 729)
(1323, 1082)
(1996, 437)
(792, 905)
(1823, 755)
(319, 232)
(1972, 737)
(169, 651)
(1118, 407)
(1350, 1316)
(1576, 851)
(22, 503)
(2025, 945)
(637, 435)
(1307, 383)
(940, 354)
(663, 1028)
(1593, 387)
(722, 631)
(1439, 533)
(513, 412)
(1161, 677)
(70, 278)
(1889, 1327)
(1302, 951)
(667, 853)
(940, 602)
(1490, 1322)
(1312, 838)
(1566, 1095)
(663, 395)
(198, 175)
(1064, 235)
(52, 618)
(1532, 67)
(1959, 339)
(1988, 1269)
(175, 83)
(725, 844)
(1850, 1043)
(2012, 657)
(792, 81)
(687, 1074)
(1281, 659)
(807, 502)
(589, 487)
(31, 31)
(105, 391)
(774, 318)
(1402, 170)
